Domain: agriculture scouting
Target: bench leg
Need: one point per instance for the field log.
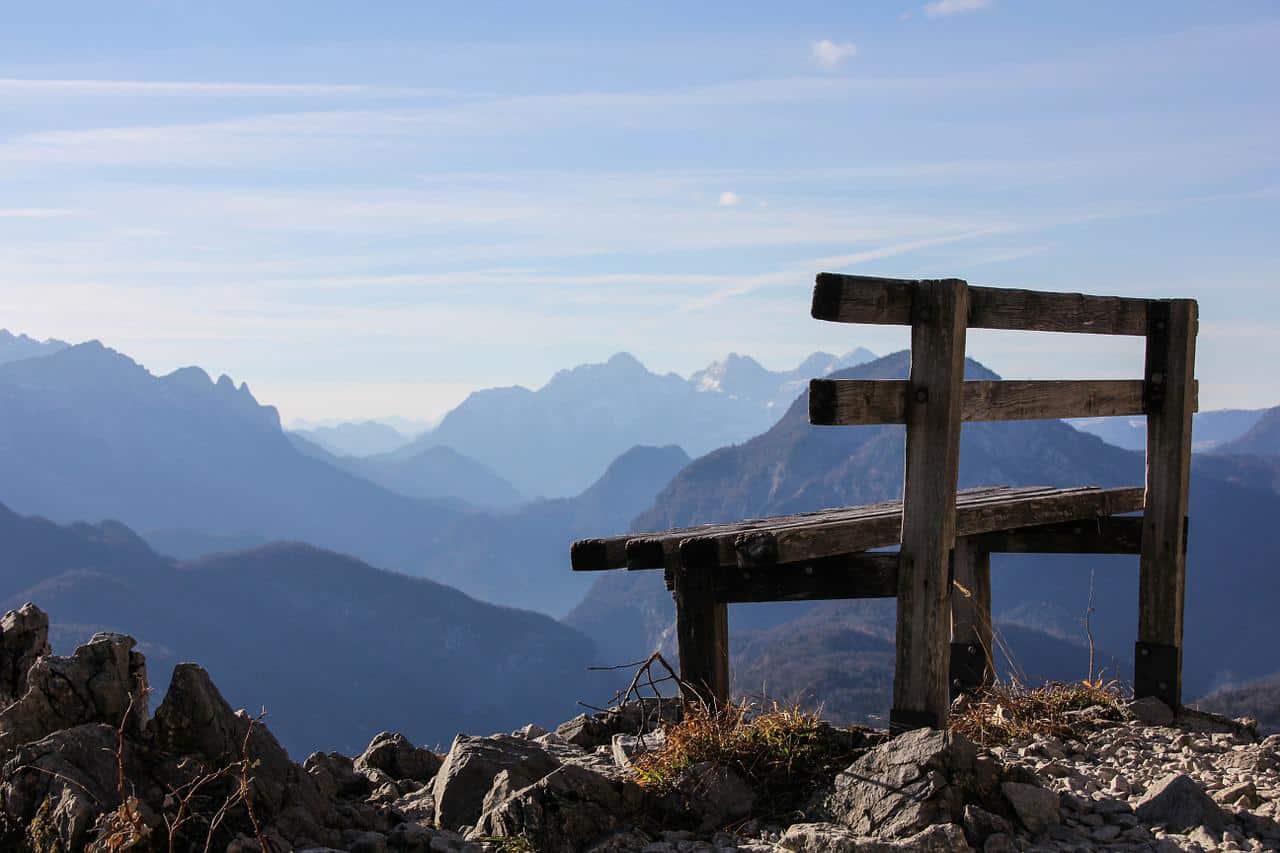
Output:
(702, 626)
(971, 655)
(1170, 401)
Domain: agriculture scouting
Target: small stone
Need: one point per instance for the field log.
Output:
(1037, 808)
(1105, 833)
(1151, 711)
(1179, 804)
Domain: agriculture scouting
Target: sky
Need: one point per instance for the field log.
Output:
(371, 209)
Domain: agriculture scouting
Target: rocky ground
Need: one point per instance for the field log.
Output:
(83, 766)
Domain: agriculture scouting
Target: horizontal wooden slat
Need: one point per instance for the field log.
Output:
(1109, 535)
(811, 541)
(851, 576)
(651, 550)
(852, 402)
(720, 545)
(866, 299)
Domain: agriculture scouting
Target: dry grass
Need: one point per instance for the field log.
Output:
(1005, 713)
(781, 751)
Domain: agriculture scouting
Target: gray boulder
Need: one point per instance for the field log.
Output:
(93, 685)
(589, 731)
(1179, 804)
(335, 775)
(710, 796)
(1037, 808)
(24, 637)
(52, 790)
(394, 755)
(472, 765)
(1151, 711)
(832, 838)
(562, 812)
(898, 788)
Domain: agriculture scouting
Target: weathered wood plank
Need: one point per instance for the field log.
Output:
(702, 626)
(971, 651)
(859, 528)
(849, 576)
(590, 555)
(938, 323)
(851, 402)
(1170, 367)
(866, 299)
(1107, 535)
(882, 523)
(807, 542)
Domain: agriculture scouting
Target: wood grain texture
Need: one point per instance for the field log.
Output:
(852, 402)
(1170, 367)
(1107, 535)
(702, 627)
(867, 299)
(920, 683)
(971, 604)
(849, 576)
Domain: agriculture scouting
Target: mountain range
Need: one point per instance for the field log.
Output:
(437, 472)
(355, 438)
(208, 475)
(1261, 439)
(17, 347)
(556, 440)
(1211, 429)
(334, 649)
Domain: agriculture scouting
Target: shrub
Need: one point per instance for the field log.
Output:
(1003, 713)
(783, 752)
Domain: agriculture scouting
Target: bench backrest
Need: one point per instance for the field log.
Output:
(935, 400)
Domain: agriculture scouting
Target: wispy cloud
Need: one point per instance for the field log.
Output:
(728, 198)
(830, 54)
(215, 89)
(946, 8)
(32, 212)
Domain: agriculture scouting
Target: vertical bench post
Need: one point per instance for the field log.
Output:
(1169, 401)
(939, 319)
(702, 627)
(971, 655)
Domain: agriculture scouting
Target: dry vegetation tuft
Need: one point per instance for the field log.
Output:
(781, 751)
(1004, 713)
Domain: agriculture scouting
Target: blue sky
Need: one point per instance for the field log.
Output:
(370, 209)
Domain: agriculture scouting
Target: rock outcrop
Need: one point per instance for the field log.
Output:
(82, 767)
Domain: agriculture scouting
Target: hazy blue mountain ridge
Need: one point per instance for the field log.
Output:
(334, 649)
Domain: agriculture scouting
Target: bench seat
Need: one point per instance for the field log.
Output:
(833, 533)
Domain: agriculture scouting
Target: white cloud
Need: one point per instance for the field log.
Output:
(946, 8)
(829, 54)
(25, 86)
(729, 199)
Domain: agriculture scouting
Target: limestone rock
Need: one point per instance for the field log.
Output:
(832, 838)
(904, 785)
(1179, 804)
(592, 730)
(711, 795)
(562, 812)
(24, 637)
(626, 747)
(980, 824)
(469, 770)
(335, 775)
(394, 755)
(1151, 711)
(53, 789)
(93, 685)
(1037, 808)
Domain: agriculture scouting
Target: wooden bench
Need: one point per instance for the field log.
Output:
(940, 572)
